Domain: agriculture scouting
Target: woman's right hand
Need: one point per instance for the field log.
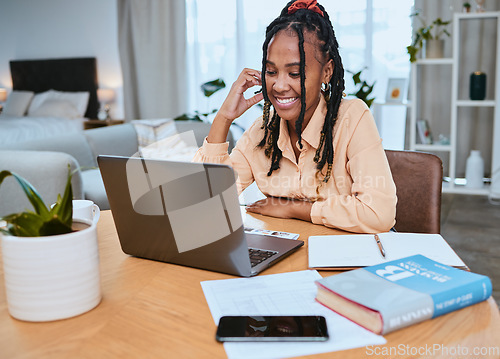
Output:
(235, 104)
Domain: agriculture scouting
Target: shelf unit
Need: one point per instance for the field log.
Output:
(390, 118)
(455, 184)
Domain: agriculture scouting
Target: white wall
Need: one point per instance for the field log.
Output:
(35, 29)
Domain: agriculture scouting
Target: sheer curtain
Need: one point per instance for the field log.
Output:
(151, 40)
(225, 36)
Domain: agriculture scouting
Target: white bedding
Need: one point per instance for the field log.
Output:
(20, 129)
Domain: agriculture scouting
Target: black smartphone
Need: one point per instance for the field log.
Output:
(271, 328)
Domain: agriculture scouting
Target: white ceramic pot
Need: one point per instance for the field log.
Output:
(434, 49)
(53, 277)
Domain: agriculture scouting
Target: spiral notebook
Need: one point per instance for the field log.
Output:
(340, 252)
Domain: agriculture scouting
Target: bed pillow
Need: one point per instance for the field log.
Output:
(17, 103)
(79, 100)
(56, 108)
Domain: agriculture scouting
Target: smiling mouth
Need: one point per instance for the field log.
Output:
(286, 101)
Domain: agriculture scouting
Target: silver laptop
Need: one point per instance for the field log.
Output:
(185, 213)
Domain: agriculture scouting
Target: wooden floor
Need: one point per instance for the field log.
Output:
(471, 225)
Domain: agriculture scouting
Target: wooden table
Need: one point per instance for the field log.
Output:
(158, 310)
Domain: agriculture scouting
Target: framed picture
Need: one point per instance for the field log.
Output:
(396, 89)
(424, 132)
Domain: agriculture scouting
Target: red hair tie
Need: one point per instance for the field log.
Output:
(305, 4)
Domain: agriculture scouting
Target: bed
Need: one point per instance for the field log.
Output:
(49, 97)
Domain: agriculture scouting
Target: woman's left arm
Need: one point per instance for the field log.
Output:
(282, 208)
(370, 207)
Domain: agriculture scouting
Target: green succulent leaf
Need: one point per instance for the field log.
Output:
(63, 208)
(25, 224)
(54, 226)
(42, 222)
(31, 193)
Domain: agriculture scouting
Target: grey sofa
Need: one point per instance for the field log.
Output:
(44, 163)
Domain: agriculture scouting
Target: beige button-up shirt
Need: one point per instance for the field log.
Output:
(360, 195)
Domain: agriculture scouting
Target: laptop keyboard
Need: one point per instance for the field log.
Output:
(259, 255)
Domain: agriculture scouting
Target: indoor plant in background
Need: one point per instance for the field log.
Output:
(208, 88)
(428, 37)
(363, 89)
(50, 261)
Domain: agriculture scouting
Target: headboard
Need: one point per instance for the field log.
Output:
(65, 74)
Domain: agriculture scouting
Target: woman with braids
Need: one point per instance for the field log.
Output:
(316, 156)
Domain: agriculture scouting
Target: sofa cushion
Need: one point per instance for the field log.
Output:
(158, 138)
(200, 130)
(46, 171)
(73, 144)
(117, 140)
(93, 188)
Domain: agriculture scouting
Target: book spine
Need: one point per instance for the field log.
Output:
(442, 303)
(461, 297)
(418, 312)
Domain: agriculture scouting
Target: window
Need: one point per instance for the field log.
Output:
(224, 36)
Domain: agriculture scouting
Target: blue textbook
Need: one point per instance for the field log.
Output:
(389, 296)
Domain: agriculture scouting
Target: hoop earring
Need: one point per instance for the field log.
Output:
(326, 90)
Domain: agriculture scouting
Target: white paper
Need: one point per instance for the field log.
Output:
(251, 194)
(361, 249)
(291, 293)
(268, 232)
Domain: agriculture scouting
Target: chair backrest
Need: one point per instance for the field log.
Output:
(418, 177)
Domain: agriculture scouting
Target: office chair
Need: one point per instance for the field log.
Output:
(418, 177)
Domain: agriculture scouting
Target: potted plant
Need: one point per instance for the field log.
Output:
(50, 261)
(208, 88)
(363, 89)
(466, 6)
(428, 37)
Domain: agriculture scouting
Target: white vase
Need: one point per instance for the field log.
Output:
(52, 277)
(474, 170)
(433, 49)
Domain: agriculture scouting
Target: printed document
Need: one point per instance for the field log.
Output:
(291, 293)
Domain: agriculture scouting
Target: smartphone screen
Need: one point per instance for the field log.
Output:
(271, 328)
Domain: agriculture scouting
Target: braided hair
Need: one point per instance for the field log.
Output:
(298, 21)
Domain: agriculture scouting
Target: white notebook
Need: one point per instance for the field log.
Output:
(361, 250)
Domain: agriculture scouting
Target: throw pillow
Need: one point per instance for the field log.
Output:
(17, 103)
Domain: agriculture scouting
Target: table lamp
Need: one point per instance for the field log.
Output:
(3, 98)
(105, 96)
